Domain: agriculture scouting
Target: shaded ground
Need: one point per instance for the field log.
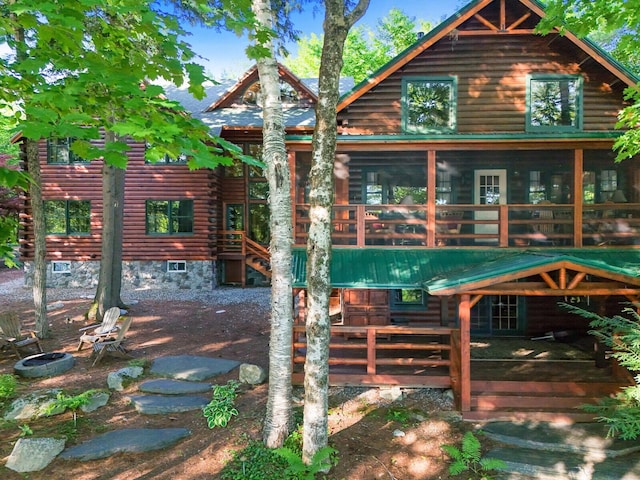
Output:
(362, 424)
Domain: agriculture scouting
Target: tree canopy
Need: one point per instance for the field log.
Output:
(616, 25)
(365, 49)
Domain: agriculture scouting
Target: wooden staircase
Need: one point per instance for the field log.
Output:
(535, 400)
(257, 257)
(234, 245)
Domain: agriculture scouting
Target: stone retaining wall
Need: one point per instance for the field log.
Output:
(199, 275)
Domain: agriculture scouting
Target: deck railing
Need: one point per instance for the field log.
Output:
(516, 225)
(385, 355)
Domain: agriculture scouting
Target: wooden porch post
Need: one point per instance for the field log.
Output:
(291, 156)
(431, 198)
(578, 167)
(464, 310)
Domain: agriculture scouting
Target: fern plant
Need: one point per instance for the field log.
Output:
(71, 402)
(469, 458)
(621, 333)
(220, 409)
(323, 459)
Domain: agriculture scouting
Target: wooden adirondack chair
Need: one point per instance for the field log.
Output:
(14, 336)
(107, 330)
(112, 346)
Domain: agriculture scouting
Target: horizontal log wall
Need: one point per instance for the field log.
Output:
(491, 72)
(143, 182)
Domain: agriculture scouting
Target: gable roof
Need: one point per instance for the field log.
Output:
(449, 27)
(447, 272)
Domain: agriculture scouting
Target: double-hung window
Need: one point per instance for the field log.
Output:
(554, 103)
(169, 217)
(59, 151)
(429, 104)
(67, 217)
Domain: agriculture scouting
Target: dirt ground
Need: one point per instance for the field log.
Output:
(362, 425)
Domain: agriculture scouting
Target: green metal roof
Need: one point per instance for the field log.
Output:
(439, 269)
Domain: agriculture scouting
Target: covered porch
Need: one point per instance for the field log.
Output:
(475, 193)
(442, 354)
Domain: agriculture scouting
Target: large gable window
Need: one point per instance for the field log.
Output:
(169, 217)
(59, 151)
(67, 217)
(554, 102)
(428, 105)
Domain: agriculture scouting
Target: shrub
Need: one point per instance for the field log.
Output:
(469, 458)
(220, 409)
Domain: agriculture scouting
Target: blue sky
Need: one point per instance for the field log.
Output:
(223, 53)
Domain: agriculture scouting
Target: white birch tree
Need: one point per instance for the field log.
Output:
(340, 16)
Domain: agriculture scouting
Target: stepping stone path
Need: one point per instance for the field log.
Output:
(562, 452)
(178, 392)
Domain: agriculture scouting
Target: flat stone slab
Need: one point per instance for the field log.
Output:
(157, 404)
(135, 440)
(191, 367)
(173, 387)
(579, 438)
(545, 465)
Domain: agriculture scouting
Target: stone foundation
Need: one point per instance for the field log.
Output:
(199, 275)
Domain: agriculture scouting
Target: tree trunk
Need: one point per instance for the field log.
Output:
(39, 241)
(318, 327)
(110, 277)
(278, 419)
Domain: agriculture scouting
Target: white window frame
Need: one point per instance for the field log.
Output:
(60, 266)
(176, 266)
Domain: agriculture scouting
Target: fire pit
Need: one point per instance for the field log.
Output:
(44, 365)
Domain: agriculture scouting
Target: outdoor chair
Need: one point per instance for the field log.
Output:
(14, 336)
(106, 330)
(112, 346)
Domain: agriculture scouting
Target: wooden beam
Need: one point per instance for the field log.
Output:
(518, 22)
(576, 280)
(432, 169)
(464, 312)
(480, 33)
(503, 15)
(562, 280)
(486, 22)
(548, 280)
(578, 166)
(475, 300)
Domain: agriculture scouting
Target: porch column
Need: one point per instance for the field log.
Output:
(431, 198)
(578, 167)
(464, 310)
(291, 157)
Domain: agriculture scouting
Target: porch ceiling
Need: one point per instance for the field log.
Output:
(448, 272)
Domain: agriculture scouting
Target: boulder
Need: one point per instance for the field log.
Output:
(33, 454)
(33, 405)
(117, 380)
(252, 374)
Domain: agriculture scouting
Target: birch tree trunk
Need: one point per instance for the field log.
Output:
(39, 241)
(278, 417)
(337, 22)
(110, 276)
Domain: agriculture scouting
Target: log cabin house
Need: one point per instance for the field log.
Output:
(475, 189)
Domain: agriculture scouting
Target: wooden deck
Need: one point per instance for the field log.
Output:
(421, 357)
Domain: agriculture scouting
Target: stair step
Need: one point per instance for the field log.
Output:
(543, 465)
(498, 401)
(521, 415)
(586, 439)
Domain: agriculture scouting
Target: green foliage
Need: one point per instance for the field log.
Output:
(25, 430)
(8, 384)
(71, 402)
(255, 462)
(365, 49)
(138, 362)
(400, 415)
(617, 24)
(323, 459)
(220, 409)
(469, 458)
(622, 334)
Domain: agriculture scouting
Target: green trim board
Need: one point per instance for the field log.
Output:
(438, 270)
(473, 137)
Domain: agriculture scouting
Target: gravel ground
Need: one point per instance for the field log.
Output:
(12, 288)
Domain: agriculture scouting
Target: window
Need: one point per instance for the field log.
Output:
(60, 267)
(166, 159)
(176, 266)
(537, 188)
(428, 105)
(498, 315)
(67, 217)
(443, 187)
(394, 184)
(554, 103)
(59, 151)
(169, 217)
(408, 297)
(608, 184)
